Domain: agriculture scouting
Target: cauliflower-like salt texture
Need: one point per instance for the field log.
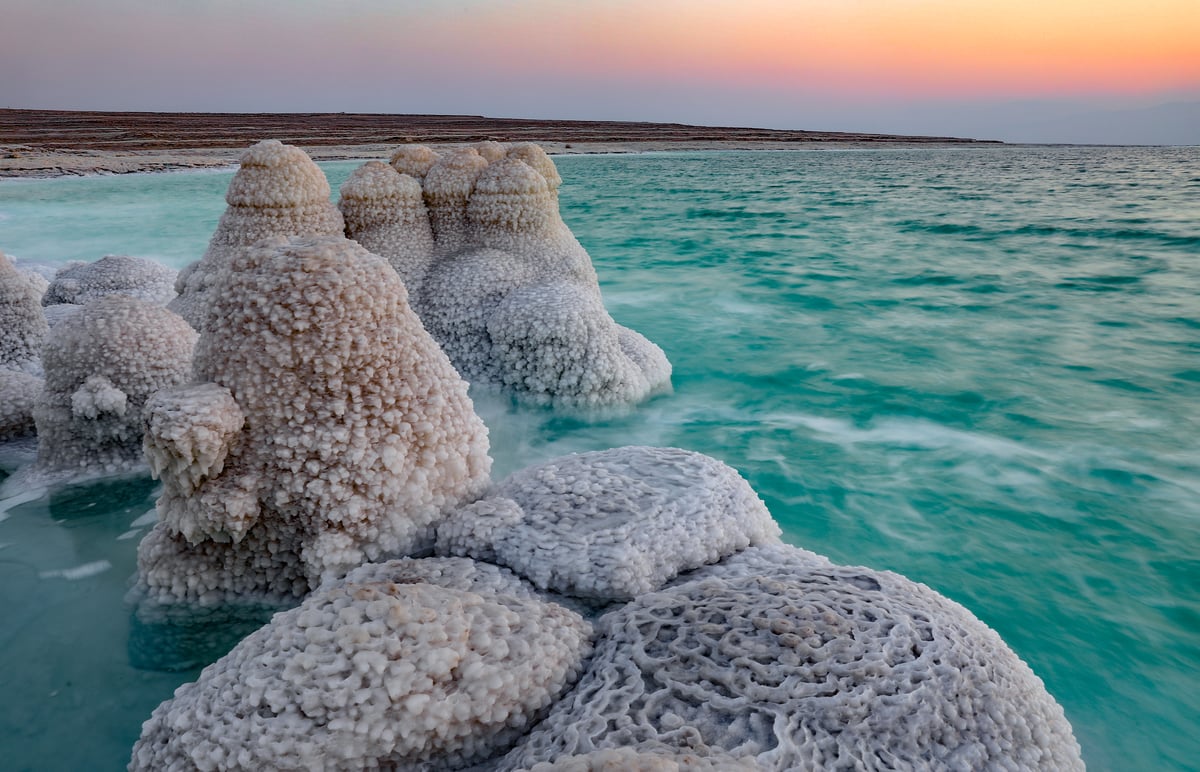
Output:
(277, 191)
(613, 524)
(102, 363)
(23, 327)
(18, 394)
(374, 674)
(385, 213)
(325, 428)
(781, 656)
(80, 283)
(511, 295)
(644, 759)
(414, 160)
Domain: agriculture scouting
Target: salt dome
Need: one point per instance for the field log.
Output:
(277, 191)
(102, 364)
(779, 656)
(508, 291)
(385, 213)
(407, 665)
(323, 428)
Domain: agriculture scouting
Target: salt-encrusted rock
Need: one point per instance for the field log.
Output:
(23, 328)
(278, 191)
(613, 524)
(447, 189)
(385, 212)
(513, 298)
(781, 656)
(656, 759)
(325, 429)
(80, 283)
(414, 160)
(490, 150)
(370, 674)
(18, 394)
(59, 311)
(102, 364)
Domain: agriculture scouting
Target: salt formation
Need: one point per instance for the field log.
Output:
(614, 524)
(414, 160)
(512, 296)
(657, 759)
(102, 364)
(278, 191)
(324, 428)
(385, 213)
(22, 325)
(778, 655)
(18, 393)
(396, 666)
(80, 283)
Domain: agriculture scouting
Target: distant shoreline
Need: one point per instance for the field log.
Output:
(55, 143)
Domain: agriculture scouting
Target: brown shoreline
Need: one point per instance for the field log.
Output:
(50, 143)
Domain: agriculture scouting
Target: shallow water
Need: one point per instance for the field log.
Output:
(979, 367)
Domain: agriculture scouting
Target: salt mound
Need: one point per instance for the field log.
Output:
(644, 760)
(102, 364)
(414, 160)
(278, 191)
(614, 524)
(80, 283)
(325, 429)
(369, 674)
(385, 213)
(23, 328)
(18, 394)
(511, 295)
(779, 655)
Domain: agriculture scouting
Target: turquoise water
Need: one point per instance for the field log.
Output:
(979, 367)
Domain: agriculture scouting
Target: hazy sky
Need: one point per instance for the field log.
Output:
(1053, 70)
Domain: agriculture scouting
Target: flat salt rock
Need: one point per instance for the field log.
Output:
(780, 656)
(613, 524)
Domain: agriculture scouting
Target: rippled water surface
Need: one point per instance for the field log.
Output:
(979, 367)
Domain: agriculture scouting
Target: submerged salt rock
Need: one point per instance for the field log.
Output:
(385, 213)
(102, 363)
(80, 283)
(18, 394)
(358, 435)
(513, 298)
(414, 160)
(613, 524)
(277, 191)
(779, 655)
(369, 674)
(23, 328)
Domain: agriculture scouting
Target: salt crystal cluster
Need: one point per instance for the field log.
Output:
(385, 212)
(23, 327)
(79, 283)
(613, 524)
(277, 191)
(507, 290)
(18, 394)
(394, 667)
(778, 655)
(324, 428)
(102, 364)
(645, 759)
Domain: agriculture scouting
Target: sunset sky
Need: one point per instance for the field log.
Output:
(1022, 69)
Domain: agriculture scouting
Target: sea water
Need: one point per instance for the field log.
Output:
(979, 367)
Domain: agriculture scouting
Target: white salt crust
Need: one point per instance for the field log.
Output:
(80, 283)
(324, 428)
(506, 289)
(394, 667)
(277, 191)
(778, 655)
(18, 393)
(23, 327)
(613, 524)
(102, 364)
(644, 759)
